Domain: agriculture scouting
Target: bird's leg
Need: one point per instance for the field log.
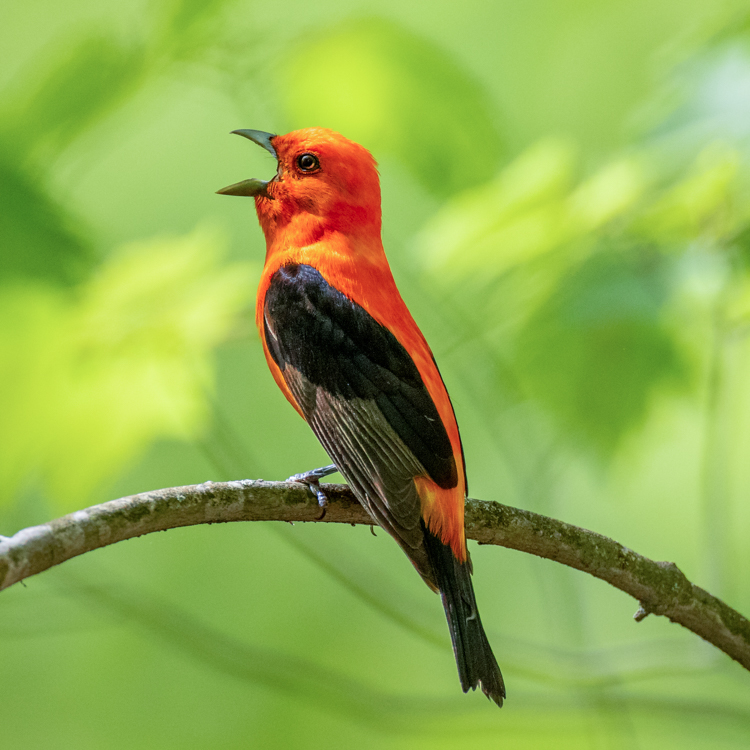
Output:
(312, 480)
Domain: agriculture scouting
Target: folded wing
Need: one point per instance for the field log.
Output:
(364, 398)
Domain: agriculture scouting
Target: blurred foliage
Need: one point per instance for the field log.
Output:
(595, 349)
(566, 211)
(76, 89)
(38, 240)
(591, 343)
(528, 210)
(399, 93)
(87, 382)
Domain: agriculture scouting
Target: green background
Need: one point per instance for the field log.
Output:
(566, 212)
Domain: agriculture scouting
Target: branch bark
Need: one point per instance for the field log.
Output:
(660, 587)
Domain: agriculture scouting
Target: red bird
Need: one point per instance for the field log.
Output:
(347, 354)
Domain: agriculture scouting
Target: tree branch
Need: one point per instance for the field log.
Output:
(660, 587)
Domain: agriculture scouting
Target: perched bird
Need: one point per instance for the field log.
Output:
(347, 354)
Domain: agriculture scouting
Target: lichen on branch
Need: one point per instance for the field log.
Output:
(659, 587)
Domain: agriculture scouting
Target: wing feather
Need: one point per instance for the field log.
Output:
(362, 395)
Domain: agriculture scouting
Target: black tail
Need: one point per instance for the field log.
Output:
(476, 662)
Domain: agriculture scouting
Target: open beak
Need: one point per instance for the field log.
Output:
(253, 186)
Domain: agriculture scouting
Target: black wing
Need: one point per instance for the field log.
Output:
(364, 398)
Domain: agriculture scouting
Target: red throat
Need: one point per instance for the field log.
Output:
(343, 197)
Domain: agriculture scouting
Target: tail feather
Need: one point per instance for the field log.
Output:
(476, 663)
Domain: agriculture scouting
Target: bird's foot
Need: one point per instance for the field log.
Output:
(312, 480)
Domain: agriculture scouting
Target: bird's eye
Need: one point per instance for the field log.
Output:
(308, 162)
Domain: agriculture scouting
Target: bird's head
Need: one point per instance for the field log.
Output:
(323, 182)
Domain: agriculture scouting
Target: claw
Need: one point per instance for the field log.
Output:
(315, 475)
(312, 480)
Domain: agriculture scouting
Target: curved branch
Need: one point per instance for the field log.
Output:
(660, 587)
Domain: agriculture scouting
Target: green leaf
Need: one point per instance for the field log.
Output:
(38, 240)
(395, 92)
(512, 219)
(704, 203)
(32, 327)
(529, 210)
(595, 352)
(57, 104)
(87, 383)
(141, 341)
(190, 26)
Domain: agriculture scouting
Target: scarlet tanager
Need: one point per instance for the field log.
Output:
(347, 354)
